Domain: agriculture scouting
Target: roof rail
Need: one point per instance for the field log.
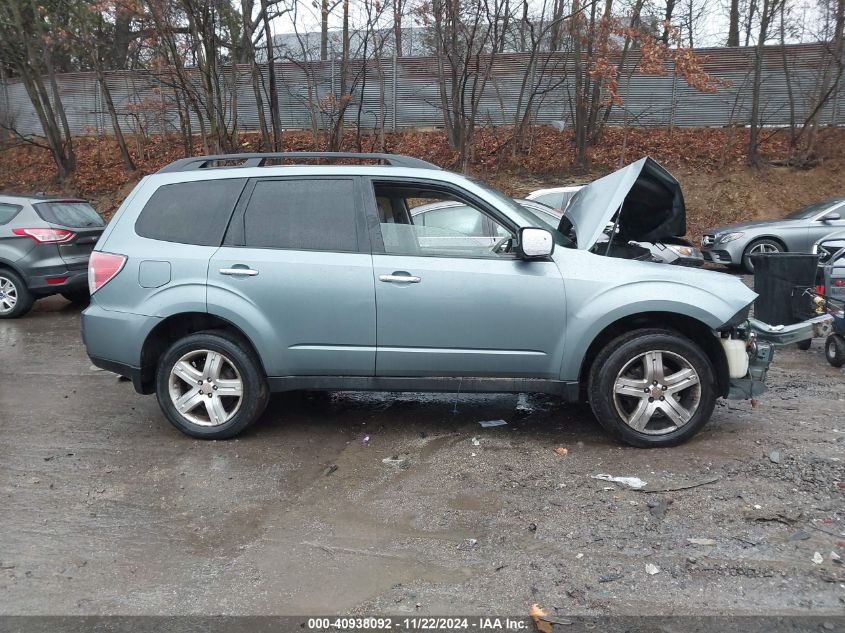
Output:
(259, 160)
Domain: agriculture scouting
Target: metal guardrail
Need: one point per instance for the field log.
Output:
(404, 93)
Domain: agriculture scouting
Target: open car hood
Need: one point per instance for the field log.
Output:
(652, 206)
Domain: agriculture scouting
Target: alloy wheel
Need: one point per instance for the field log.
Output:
(763, 249)
(206, 387)
(8, 295)
(657, 392)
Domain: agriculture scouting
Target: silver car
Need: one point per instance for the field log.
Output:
(222, 279)
(735, 244)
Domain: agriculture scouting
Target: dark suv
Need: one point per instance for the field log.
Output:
(45, 244)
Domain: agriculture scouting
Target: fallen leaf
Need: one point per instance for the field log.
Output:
(540, 617)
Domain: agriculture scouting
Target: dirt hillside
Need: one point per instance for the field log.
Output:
(718, 185)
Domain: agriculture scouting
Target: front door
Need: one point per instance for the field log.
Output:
(820, 228)
(452, 304)
(296, 274)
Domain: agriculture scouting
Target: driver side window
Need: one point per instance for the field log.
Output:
(415, 220)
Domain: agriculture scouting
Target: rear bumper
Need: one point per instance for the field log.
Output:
(57, 280)
(114, 341)
(45, 272)
(121, 369)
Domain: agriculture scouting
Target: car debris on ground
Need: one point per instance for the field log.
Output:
(631, 482)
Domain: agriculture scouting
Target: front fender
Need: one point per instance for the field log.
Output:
(591, 313)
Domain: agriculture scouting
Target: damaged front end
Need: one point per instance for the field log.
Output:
(759, 339)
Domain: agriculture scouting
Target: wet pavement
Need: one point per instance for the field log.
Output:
(107, 509)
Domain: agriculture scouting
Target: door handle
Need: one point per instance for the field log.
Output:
(248, 272)
(397, 278)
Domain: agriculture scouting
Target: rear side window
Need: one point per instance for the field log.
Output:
(302, 214)
(69, 213)
(190, 212)
(7, 212)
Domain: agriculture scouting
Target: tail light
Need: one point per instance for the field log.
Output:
(839, 282)
(46, 236)
(819, 290)
(102, 267)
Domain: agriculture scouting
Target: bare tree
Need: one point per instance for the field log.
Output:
(25, 45)
(767, 12)
(465, 34)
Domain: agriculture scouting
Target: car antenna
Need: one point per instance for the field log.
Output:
(613, 232)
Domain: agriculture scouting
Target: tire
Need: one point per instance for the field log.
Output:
(805, 345)
(763, 245)
(834, 350)
(624, 359)
(235, 365)
(15, 298)
(78, 297)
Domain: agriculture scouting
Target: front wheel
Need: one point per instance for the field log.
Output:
(652, 388)
(762, 246)
(210, 385)
(834, 350)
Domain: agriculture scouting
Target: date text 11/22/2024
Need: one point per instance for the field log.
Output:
(432, 623)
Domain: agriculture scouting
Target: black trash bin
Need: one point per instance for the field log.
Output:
(777, 277)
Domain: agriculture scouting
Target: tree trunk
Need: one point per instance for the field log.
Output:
(733, 28)
(324, 29)
(754, 124)
(115, 122)
(580, 92)
(255, 72)
(397, 27)
(667, 18)
(272, 90)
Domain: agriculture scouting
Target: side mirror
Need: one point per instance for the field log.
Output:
(830, 217)
(535, 243)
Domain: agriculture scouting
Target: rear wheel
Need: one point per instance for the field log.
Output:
(211, 386)
(15, 298)
(834, 350)
(762, 246)
(652, 388)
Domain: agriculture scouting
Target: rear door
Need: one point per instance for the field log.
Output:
(79, 217)
(296, 269)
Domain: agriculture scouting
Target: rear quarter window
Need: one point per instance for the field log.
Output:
(69, 213)
(190, 212)
(7, 212)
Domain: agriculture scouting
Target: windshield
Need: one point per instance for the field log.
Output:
(548, 219)
(813, 209)
(529, 218)
(69, 213)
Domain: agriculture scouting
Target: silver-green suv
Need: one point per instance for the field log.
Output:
(224, 278)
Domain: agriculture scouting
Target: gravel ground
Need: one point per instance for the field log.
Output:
(109, 510)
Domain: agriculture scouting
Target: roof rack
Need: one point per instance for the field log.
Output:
(259, 160)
